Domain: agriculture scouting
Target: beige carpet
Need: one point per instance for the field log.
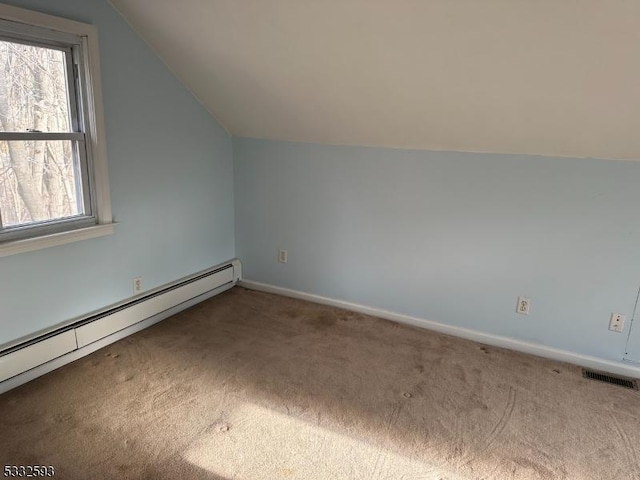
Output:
(254, 386)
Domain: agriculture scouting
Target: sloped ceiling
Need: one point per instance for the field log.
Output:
(550, 77)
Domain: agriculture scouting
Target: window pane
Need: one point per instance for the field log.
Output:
(33, 89)
(39, 181)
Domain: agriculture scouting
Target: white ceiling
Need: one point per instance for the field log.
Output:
(550, 77)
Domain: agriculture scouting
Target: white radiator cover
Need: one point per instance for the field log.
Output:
(103, 327)
(36, 354)
(79, 337)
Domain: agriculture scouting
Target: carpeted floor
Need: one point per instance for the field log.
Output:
(253, 386)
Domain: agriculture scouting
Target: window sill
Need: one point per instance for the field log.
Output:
(30, 244)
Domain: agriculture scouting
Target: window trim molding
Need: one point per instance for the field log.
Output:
(95, 125)
(13, 247)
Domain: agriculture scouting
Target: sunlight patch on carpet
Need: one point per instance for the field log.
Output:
(236, 448)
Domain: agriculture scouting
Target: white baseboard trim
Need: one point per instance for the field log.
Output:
(587, 361)
(43, 369)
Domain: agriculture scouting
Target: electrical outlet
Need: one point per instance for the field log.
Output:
(282, 256)
(616, 322)
(524, 305)
(137, 285)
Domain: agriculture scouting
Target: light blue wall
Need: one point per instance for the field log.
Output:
(171, 171)
(449, 237)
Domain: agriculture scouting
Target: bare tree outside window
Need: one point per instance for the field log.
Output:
(39, 179)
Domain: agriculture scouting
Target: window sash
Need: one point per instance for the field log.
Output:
(46, 228)
(23, 32)
(83, 176)
(72, 64)
(36, 136)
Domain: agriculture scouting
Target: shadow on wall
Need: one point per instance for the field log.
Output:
(250, 385)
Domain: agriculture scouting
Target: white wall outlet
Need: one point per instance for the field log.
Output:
(616, 322)
(137, 285)
(282, 256)
(524, 305)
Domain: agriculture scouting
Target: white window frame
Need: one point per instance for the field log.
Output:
(101, 222)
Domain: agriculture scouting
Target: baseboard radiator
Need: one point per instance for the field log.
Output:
(84, 335)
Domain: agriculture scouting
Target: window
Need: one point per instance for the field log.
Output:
(53, 184)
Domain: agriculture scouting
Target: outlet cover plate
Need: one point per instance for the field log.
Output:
(616, 322)
(137, 285)
(524, 306)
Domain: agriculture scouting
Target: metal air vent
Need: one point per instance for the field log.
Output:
(612, 379)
